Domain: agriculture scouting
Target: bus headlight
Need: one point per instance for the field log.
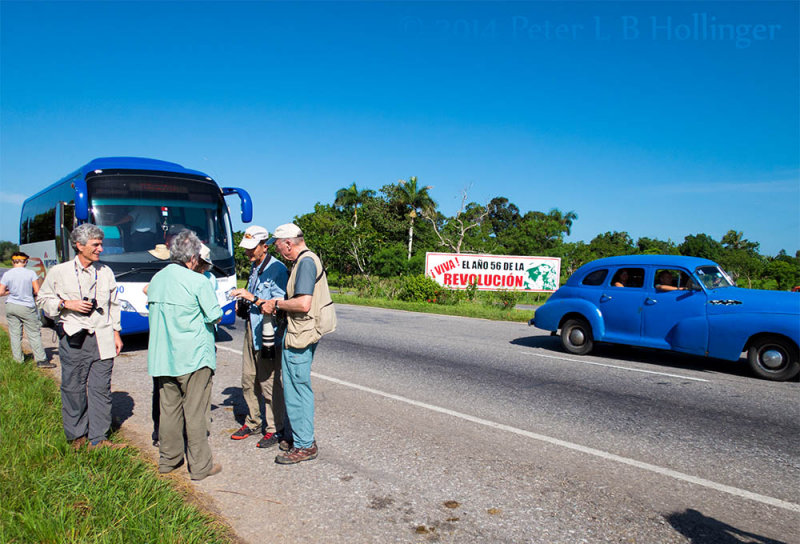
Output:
(127, 306)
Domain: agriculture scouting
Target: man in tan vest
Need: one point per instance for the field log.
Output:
(309, 315)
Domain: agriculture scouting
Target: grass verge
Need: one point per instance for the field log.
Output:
(50, 493)
(463, 308)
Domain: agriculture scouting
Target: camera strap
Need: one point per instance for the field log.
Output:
(78, 277)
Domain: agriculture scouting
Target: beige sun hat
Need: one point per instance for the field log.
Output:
(161, 251)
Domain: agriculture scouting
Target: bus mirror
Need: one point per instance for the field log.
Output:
(247, 203)
(81, 200)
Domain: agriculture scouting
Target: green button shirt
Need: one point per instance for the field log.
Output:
(183, 309)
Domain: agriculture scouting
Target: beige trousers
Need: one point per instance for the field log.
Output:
(262, 376)
(185, 403)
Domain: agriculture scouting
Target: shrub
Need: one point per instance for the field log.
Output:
(507, 298)
(419, 288)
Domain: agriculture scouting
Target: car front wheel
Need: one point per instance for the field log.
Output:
(773, 358)
(576, 336)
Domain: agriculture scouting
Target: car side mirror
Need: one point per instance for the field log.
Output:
(691, 285)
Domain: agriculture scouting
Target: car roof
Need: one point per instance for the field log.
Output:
(645, 260)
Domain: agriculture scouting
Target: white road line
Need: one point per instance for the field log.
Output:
(577, 447)
(735, 491)
(583, 362)
(237, 351)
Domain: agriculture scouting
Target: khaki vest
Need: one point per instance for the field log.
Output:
(304, 329)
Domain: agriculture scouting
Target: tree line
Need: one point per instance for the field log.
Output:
(386, 233)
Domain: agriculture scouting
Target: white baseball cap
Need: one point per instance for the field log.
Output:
(253, 236)
(287, 230)
(205, 254)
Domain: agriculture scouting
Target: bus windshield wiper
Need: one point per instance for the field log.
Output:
(138, 269)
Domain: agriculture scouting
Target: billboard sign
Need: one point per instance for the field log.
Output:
(494, 272)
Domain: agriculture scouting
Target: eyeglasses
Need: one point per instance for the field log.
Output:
(19, 260)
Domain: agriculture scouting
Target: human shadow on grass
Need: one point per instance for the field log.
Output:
(701, 529)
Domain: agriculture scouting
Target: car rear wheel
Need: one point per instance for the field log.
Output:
(773, 358)
(576, 336)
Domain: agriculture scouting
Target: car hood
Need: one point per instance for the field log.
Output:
(756, 300)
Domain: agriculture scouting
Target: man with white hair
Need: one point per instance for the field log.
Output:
(81, 295)
(181, 355)
(309, 314)
(261, 359)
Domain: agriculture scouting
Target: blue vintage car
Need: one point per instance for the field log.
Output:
(684, 304)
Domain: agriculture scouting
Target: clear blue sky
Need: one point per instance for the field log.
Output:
(639, 116)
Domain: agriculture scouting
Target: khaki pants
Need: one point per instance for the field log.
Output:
(185, 403)
(22, 317)
(262, 377)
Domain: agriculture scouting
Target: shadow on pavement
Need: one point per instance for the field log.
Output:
(121, 408)
(703, 529)
(641, 355)
(233, 397)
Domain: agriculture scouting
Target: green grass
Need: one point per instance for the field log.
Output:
(463, 308)
(50, 493)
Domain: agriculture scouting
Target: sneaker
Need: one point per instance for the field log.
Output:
(106, 444)
(216, 469)
(297, 455)
(45, 364)
(268, 440)
(242, 433)
(78, 443)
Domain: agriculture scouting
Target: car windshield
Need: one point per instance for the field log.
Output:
(713, 277)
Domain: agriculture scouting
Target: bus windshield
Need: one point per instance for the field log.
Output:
(138, 212)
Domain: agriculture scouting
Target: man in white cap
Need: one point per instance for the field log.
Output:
(261, 363)
(310, 314)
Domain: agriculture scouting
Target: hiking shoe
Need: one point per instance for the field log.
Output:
(78, 443)
(106, 444)
(242, 433)
(45, 364)
(268, 440)
(297, 455)
(216, 469)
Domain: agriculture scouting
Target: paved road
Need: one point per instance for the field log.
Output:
(443, 429)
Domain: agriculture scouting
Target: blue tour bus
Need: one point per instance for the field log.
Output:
(139, 203)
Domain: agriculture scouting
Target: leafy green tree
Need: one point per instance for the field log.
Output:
(538, 234)
(7, 249)
(610, 244)
(321, 229)
(414, 199)
(573, 256)
(785, 273)
(241, 262)
(654, 246)
(350, 198)
(740, 257)
(701, 245)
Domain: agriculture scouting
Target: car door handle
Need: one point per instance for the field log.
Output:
(650, 301)
(605, 297)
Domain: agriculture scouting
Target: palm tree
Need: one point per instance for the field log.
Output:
(414, 199)
(564, 219)
(351, 197)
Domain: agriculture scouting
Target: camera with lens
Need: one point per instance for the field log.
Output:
(243, 308)
(94, 306)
